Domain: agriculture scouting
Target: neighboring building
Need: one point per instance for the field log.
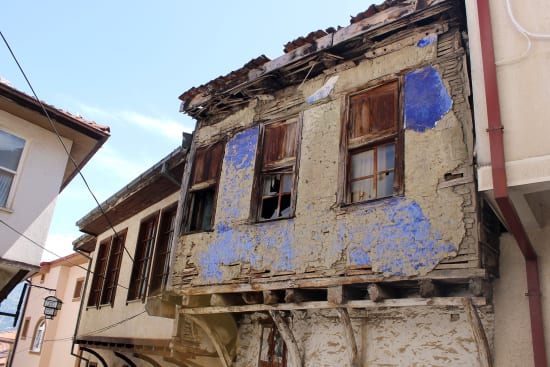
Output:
(7, 339)
(34, 168)
(45, 342)
(510, 76)
(130, 264)
(329, 212)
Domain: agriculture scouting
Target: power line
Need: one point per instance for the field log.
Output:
(63, 144)
(53, 253)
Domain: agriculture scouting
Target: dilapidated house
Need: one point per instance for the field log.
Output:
(329, 213)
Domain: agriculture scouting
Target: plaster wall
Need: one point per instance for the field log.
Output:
(34, 192)
(420, 336)
(408, 235)
(523, 78)
(142, 326)
(513, 345)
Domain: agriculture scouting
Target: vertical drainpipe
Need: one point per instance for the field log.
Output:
(500, 189)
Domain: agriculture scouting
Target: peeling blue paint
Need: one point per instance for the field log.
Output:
(401, 244)
(427, 40)
(426, 99)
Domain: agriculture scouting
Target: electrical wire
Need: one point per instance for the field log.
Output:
(53, 253)
(77, 168)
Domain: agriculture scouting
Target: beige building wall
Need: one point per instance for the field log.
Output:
(33, 196)
(142, 326)
(61, 275)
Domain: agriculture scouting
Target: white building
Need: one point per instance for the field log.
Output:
(34, 168)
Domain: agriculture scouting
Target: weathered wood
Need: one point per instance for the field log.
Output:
(297, 281)
(200, 300)
(480, 288)
(318, 305)
(252, 298)
(220, 347)
(270, 297)
(379, 293)
(335, 295)
(429, 289)
(478, 332)
(349, 335)
(288, 337)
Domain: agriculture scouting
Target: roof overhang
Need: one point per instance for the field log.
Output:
(86, 136)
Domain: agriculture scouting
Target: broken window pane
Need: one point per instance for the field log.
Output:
(384, 186)
(202, 206)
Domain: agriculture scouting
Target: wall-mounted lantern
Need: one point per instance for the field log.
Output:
(51, 306)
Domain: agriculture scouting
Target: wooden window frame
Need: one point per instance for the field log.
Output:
(107, 271)
(160, 267)
(203, 188)
(350, 146)
(143, 256)
(285, 165)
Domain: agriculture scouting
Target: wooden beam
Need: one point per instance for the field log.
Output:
(429, 289)
(349, 335)
(335, 295)
(220, 347)
(478, 332)
(299, 281)
(318, 305)
(379, 293)
(288, 337)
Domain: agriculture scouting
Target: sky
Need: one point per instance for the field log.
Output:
(125, 63)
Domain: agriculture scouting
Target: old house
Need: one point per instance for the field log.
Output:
(329, 213)
(35, 142)
(129, 241)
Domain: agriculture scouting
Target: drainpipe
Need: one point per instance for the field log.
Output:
(500, 189)
(24, 294)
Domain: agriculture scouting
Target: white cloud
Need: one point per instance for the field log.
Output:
(108, 159)
(168, 128)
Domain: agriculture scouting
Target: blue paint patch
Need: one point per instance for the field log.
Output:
(426, 99)
(426, 41)
(238, 165)
(402, 244)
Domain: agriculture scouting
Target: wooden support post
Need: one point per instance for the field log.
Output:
(429, 289)
(480, 288)
(288, 337)
(335, 295)
(478, 332)
(349, 335)
(270, 298)
(252, 298)
(378, 293)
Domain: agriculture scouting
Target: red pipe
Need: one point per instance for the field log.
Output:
(500, 187)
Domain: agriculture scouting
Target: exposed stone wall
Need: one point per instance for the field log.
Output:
(420, 336)
(432, 225)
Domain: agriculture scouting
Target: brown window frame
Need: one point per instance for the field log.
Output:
(274, 161)
(160, 267)
(106, 271)
(203, 188)
(355, 141)
(137, 290)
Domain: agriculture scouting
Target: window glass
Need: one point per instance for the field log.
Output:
(11, 148)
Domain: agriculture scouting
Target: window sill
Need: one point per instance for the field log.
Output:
(347, 207)
(6, 210)
(272, 220)
(137, 300)
(195, 232)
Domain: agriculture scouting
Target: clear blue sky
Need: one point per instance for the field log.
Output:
(124, 64)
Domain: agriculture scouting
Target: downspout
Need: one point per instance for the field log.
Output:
(25, 293)
(500, 189)
(84, 287)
